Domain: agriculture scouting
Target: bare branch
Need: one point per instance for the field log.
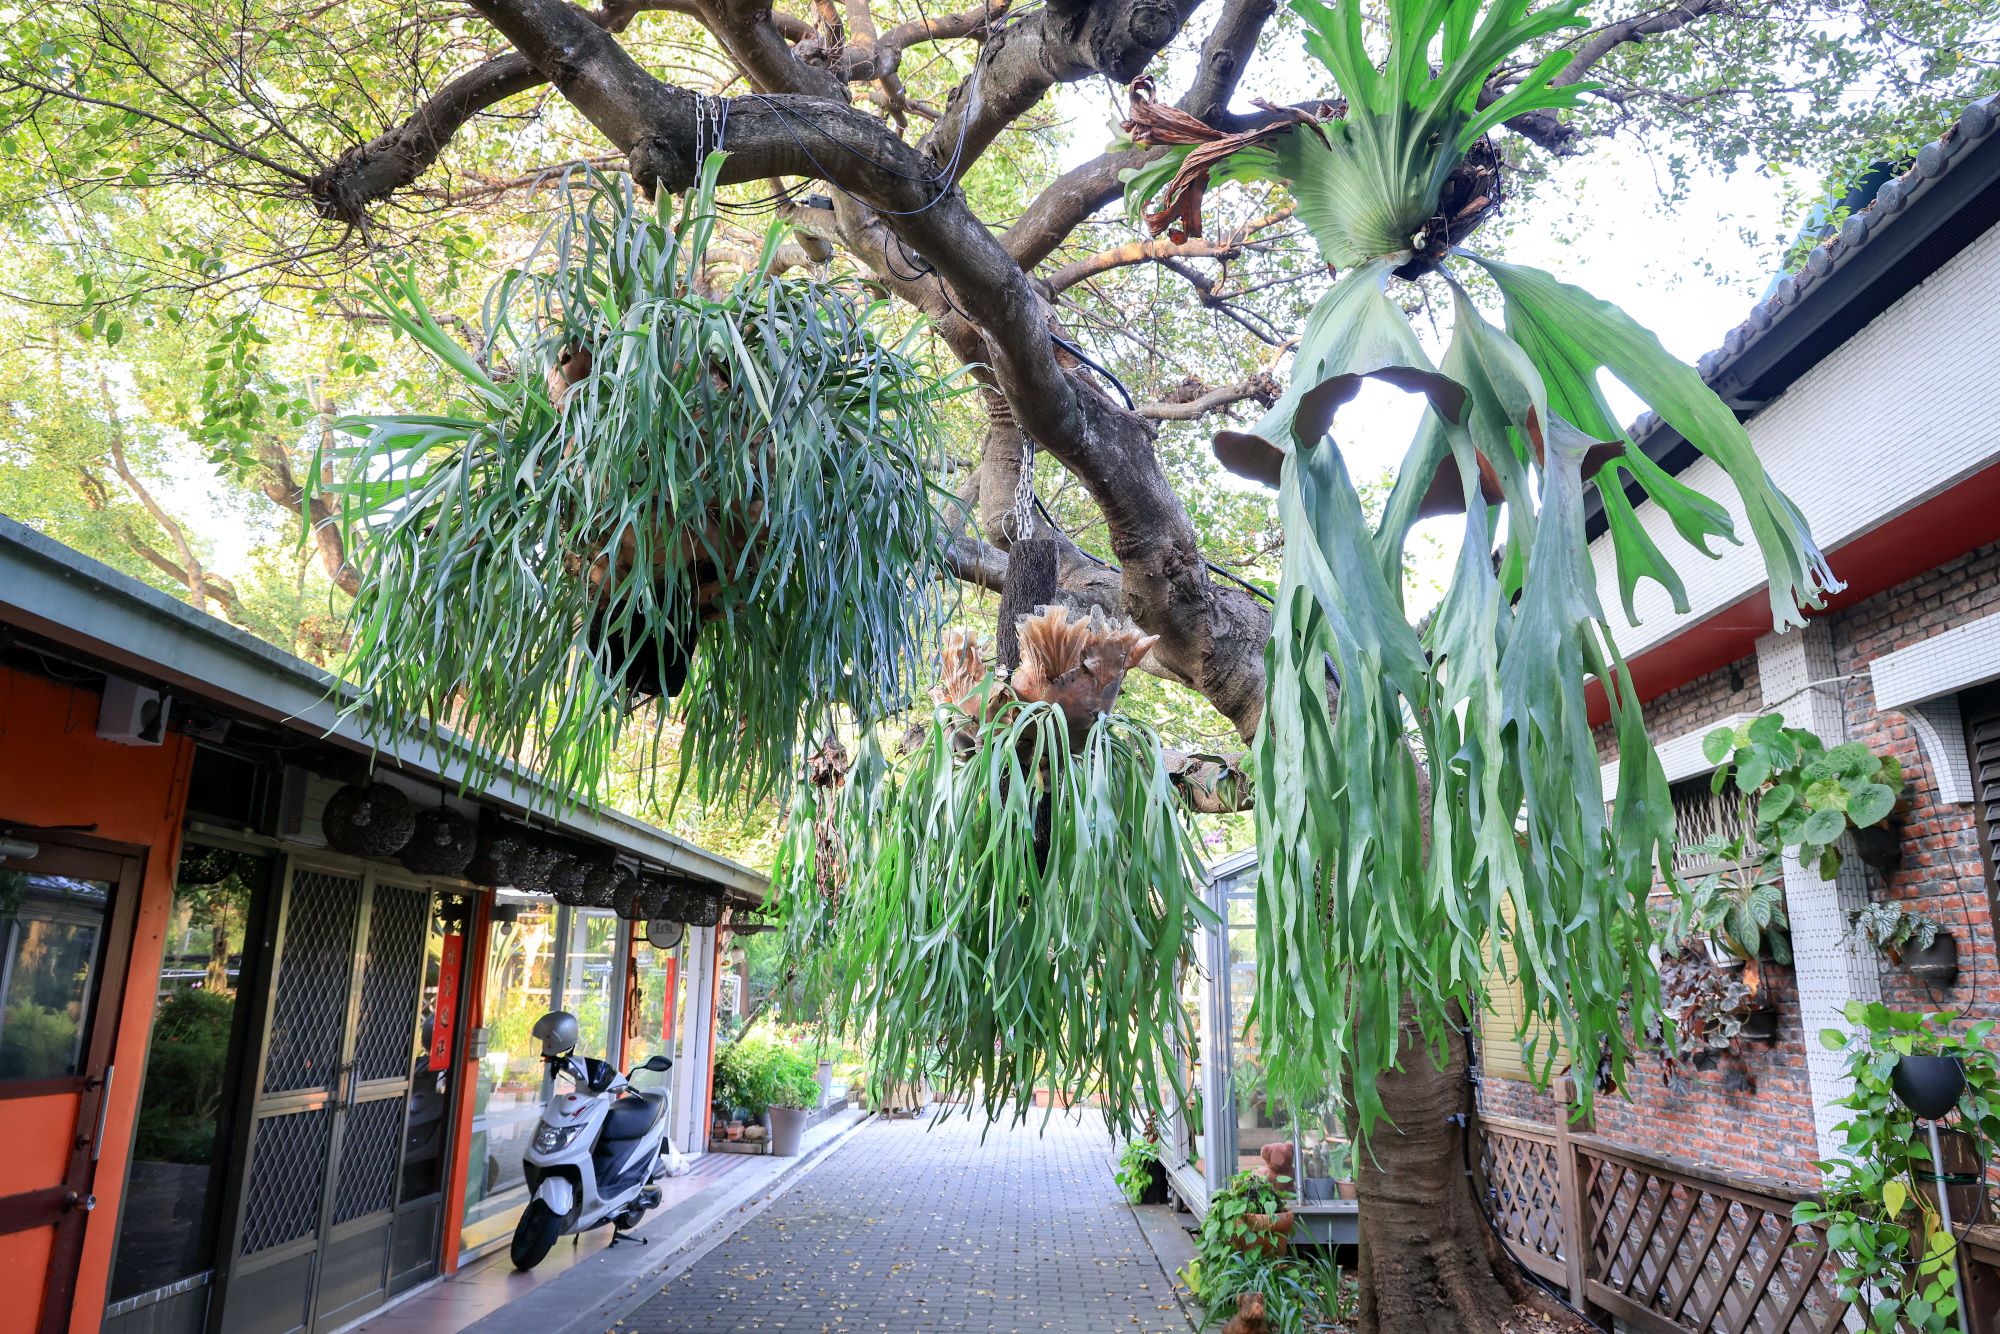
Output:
(1262, 389)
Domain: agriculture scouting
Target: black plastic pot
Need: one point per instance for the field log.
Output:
(1760, 1025)
(1156, 1184)
(1936, 963)
(1928, 1085)
(1880, 846)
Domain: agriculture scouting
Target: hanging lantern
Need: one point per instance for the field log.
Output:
(498, 855)
(204, 866)
(602, 884)
(567, 872)
(628, 899)
(442, 843)
(697, 904)
(368, 820)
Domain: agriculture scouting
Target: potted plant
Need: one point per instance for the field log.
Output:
(793, 1091)
(1737, 908)
(1804, 794)
(1249, 1215)
(1328, 1171)
(1910, 940)
(1141, 1174)
(1705, 1003)
(1878, 1208)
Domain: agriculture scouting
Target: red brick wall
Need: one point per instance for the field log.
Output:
(1766, 1126)
(1941, 874)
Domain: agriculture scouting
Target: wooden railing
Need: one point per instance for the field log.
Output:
(1664, 1244)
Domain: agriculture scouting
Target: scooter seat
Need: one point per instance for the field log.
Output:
(634, 1114)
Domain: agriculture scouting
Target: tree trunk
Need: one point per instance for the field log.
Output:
(1429, 1262)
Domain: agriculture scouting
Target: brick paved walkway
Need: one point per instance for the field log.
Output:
(914, 1228)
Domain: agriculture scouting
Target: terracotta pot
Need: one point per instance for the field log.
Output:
(1349, 1190)
(735, 1131)
(1270, 1234)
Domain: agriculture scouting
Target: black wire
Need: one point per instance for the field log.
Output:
(1485, 1205)
(1084, 357)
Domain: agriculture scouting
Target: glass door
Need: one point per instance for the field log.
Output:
(65, 932)
(163, 1268)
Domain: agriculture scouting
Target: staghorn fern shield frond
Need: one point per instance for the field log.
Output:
(712, 495)
(1428, 811)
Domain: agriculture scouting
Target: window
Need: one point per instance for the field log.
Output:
(51, 933)
(168, 1228)
(1700, 815)
(656, 1004)
(507, 1099)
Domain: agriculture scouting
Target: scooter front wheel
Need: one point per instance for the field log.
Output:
(535, 1234)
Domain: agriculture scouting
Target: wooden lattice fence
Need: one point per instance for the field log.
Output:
(1663, 1244)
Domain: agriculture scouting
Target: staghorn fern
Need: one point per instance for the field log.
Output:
(714, 494)
(1016, 895)
(1386, 882)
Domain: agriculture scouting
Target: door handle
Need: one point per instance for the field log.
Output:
(105, 1107)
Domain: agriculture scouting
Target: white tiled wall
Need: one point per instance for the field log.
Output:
(1903, 410)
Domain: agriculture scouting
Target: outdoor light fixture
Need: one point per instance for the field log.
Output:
(17, 849)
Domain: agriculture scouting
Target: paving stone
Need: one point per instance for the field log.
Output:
(920, 1226)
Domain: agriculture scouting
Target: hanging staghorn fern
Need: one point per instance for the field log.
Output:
(1010, 904)
(1441, 823)
(717, 496)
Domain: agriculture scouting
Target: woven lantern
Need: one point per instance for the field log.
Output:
(697, 904)
(204, 866)
(368, 820)
(628, 899)
(498, 856)
(567, 873)
(535, 867)
(603, 883)
(442, 844)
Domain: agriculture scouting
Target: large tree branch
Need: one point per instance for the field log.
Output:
(1047, 221)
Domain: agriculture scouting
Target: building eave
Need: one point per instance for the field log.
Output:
(85, 606)
(1918, 221)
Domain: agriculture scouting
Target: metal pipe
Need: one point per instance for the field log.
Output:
(1944, 1216)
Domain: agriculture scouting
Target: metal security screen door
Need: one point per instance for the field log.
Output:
(317, 1236)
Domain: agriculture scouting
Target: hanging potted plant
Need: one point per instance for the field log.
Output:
(1878, 1207)
(1909, 939)
(1799, 794)
(1033, 828)
(1705, 1004)
(647, 482)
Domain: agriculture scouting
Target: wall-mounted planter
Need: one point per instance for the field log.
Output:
(1880, 846)
(1761, 1025)
(1936, 963)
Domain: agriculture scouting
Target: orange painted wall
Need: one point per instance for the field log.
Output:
(55, 771)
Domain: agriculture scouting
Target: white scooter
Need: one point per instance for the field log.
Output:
(599, 1151)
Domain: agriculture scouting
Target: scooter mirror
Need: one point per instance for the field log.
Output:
(658, 1064)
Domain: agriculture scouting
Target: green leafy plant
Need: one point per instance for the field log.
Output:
(755, 1075)
(1393, 828)
(1896, 1258)
(1229, 1261)
(1739, 904)
(1015, 904)
(1135, 1166)
(644, 486)
(1892, 928)
(1704, 1004)
(1805, 794)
